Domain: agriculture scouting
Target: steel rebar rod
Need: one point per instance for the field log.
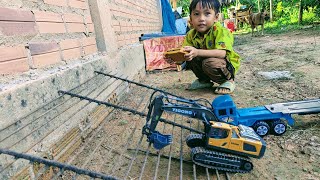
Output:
(145, 161)
(56, 164)
(136, 83)
(127, 109)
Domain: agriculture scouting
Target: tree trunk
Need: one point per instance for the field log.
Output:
(271, 16)
(300, 12)
(258, 5)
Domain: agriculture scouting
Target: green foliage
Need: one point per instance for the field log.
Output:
(185, 7)
(285, 12)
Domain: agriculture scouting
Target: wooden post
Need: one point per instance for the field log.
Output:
(174, 4)
(300, 12)
(271, 16)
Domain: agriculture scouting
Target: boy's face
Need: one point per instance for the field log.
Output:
(203, 18)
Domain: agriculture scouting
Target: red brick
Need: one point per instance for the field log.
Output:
(116, 28)
(90, 27)
(70, 43)
(132, 36)
(78, 4)
(121, 43)
(90, 49)
(73, 18)
(115, 13)
(121, 37)
(17, 28)
(115, 23)
(123, 23)
(42, 16)
(75, 27)
(128, 41)
(88, 19)
(56, 2)
(15, 15)
(127, 36)
(42, 48)
(43, 60)
(11, 53)
(10, 67)
(73, 53)
(88, 41)
(47, 27)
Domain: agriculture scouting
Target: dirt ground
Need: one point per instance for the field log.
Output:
(275, 68)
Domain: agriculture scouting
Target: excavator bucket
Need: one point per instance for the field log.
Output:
(160, 140)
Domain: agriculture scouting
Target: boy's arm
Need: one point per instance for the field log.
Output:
(218, 53)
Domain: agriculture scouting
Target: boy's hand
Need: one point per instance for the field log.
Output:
(192, 52)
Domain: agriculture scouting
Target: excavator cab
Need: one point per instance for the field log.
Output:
(240, 140)
(226, 147)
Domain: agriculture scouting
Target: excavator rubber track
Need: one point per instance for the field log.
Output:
(217, 160)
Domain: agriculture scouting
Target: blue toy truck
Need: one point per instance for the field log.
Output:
(263, 119)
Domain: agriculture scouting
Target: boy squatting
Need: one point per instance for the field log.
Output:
(209, 45)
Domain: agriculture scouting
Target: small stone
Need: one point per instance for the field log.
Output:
(315, 139)
(290, 147)
(277, 178)
(311, 159)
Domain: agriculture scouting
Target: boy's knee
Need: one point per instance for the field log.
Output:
(214, 63)
(216, 69)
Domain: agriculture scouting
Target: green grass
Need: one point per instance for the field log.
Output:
(277, 28)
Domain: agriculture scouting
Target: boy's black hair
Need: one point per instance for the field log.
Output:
(210, 4)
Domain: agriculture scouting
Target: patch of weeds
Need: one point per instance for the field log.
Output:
(298, 75)
(316, 169)
(289, 64)
(123, 122)
(283, 79)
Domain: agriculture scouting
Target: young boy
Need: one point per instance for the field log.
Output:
(209, 45)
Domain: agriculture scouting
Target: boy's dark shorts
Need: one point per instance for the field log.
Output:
(214, 69)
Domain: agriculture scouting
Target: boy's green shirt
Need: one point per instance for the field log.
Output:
(217, 37)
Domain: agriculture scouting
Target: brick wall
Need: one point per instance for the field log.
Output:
(131, 18)
(41, 30)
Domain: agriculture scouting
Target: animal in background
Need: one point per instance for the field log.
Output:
(256, 19)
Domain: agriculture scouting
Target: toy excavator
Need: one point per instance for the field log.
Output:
(222, 146)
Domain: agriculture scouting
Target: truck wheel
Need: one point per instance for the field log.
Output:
(261, 128)
(279, 127)
(195, 140)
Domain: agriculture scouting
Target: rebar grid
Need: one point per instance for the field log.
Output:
(121, 151)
